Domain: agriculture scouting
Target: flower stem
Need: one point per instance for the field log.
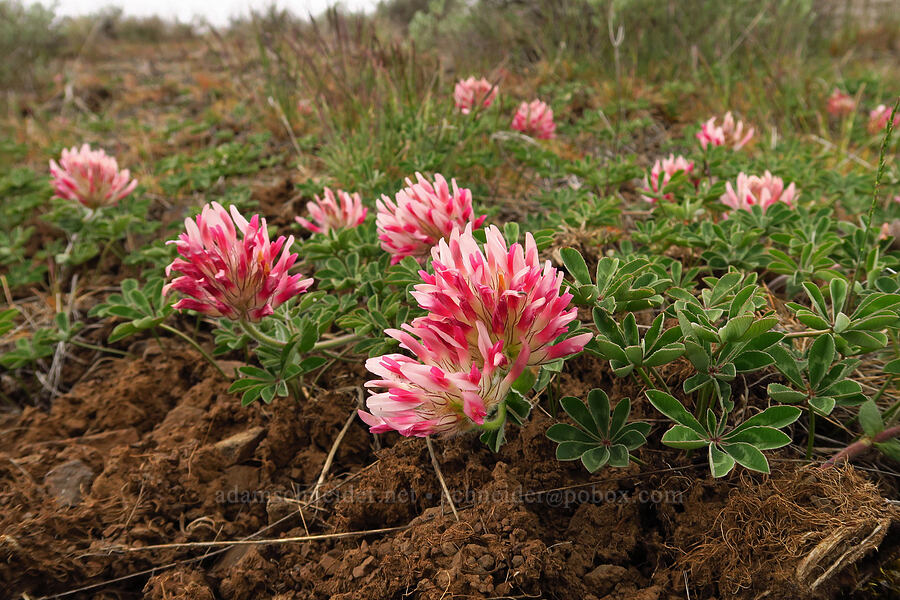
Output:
(266, 340)
(498, 421)
(97, 348)
(196, 346)
(338, 341)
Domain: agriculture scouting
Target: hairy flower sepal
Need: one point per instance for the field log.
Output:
(742, 444)
(601, 436)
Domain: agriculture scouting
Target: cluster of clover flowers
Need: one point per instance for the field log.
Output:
(493, 310)
(748, 191)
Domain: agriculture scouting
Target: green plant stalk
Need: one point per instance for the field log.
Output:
(661, 381)
(645, 377)
(254, 332)
(889, 129)
(702, 402)
(97, 348)
(498, 421)
(807, 333)
(196, 346)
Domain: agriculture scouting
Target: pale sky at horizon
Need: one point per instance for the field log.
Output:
(216, 12)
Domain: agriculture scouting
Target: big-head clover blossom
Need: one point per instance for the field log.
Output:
(535, 118)
(470, 92)
(764, 191)
(493, 312)
(327, 213)
(241, 277)
(90, 177)
(662, 172)
(729, 133)
(422, 214)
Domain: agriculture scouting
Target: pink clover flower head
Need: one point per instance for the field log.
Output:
(879, 116)
(730, 132)
(535, 118)
(342, 212)
(494, 311)
(227, 275)
(662, 172)
(444, 391)
(840, 104)
(90, 177)
(422, 214)
(507, 290)
(764, 191)
(468, 93)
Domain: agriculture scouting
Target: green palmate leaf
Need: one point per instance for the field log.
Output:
(774, 416)
(815, 295)
(752, 360)
(579, 412)
(572, 450)
(735, 328)
(821, 355)
(563, 432)
(782, 393)
(720, 463)
(867, 341)
(698, 355)
(876, 303)
(786, 363)
(675, 410)
(664, 355)
(618, 456)
(598, 404)
(680, 436)
(619, 416)
(610, 351)
(695, 382)
(875, 322)
(596, 457)
(837, 288)
(633, 438)
(812, 320)
(893, 367)
(747, 456)
(576, 266)
(823, 405)
(870, 419)
(764, 438)
(841, 322)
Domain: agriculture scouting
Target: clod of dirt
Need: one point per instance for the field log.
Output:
(239, 447)
(66, 481)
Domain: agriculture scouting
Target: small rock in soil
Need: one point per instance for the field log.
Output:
(64, 482)
(364, 567)
(604, 578)
(239, 447)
